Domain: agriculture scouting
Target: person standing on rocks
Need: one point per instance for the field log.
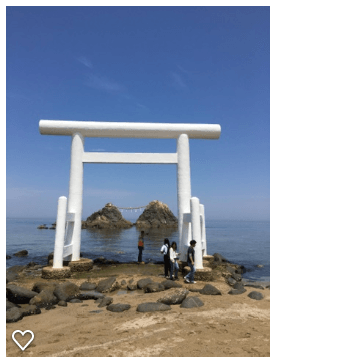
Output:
(141, 246)
(174, 267)
(165, 251)
(189, 278)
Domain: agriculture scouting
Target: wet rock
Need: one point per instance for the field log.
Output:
(105, 301)
(107, 285)
(42, 226)
(88, 286)
(154, 287)
(260, 266)
(141, 284)
(66, 291)
(219, 258)
(210, 290)
(152, 306)
(75, 301)
(118, 308)
(168, 284)
(18, 294)
(174, 297)
(255, 295)
(21, 253)
(8, 257)
(96, 311)
(191, 302)
(50, 307)
(90, 295)
(13, 315)
(237, 291)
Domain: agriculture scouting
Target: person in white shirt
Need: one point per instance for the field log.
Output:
(174, 267)
(165, 251)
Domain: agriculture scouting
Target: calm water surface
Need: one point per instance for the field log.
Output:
(242, 242)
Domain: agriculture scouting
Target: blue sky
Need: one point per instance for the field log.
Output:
(139, 64)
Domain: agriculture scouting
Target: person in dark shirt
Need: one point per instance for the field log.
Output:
(140, 246)
(165, 251)
(189, 278)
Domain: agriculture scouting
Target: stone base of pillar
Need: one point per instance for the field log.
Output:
(84, 264)
(49, 272)
(203, 274)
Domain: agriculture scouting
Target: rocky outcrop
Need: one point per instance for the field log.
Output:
(109, 217)
(157, 215)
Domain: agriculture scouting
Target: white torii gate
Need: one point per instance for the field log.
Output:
(191, 218)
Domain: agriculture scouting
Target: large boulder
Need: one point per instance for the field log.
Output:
(118, 308)
(109, 217)
(255, 295)
(174, 297)
(13, 315)
(10, 305)
(210, 290)
(107, 285)
(44, 298)
(141, 284)
(66, 291)
(88, 286)
(192, 302)
(152, 306)
(18, 294)
(21, 253)
(157, 215)
(40, 286)
(154, 287)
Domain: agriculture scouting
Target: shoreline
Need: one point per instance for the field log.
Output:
(226, 325)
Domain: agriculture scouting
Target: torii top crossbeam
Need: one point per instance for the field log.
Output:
(129, 129)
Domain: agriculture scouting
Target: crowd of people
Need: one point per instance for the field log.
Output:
(170, 254)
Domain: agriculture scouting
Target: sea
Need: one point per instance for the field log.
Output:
(245, 243)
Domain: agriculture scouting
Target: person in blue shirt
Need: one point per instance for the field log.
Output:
(189, 278)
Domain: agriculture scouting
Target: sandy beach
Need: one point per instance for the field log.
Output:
(226, 326)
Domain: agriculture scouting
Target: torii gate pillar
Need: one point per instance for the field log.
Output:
(184, 194)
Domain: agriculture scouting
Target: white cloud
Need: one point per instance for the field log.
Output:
(103, 84)
(85, 61)
(178, 81)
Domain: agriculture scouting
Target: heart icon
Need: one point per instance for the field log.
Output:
(23, 333)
